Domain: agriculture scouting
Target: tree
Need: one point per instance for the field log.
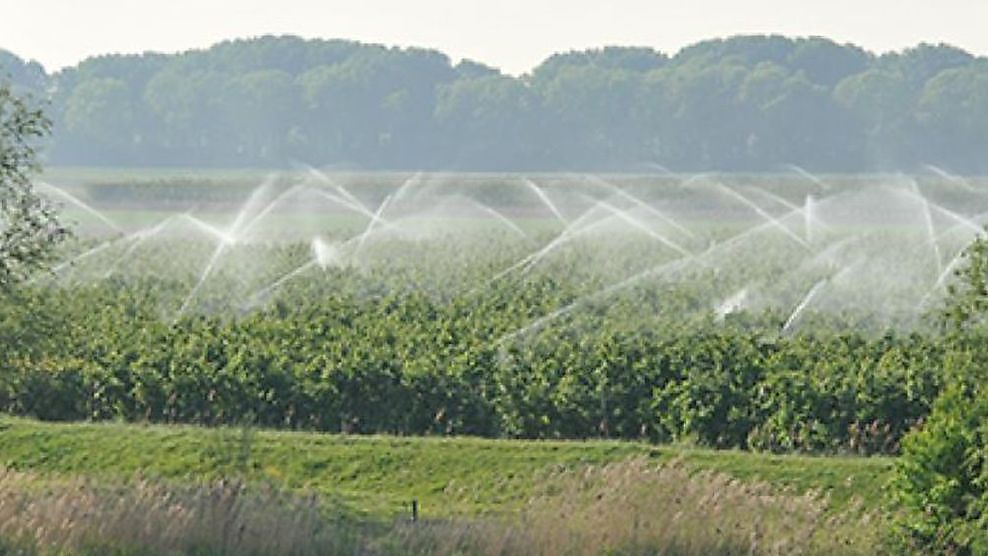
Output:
(952, 113)
(260, 112)
(749, 103)
(793, 119)
(594, 109)
(825, 62)
(23, 75)
(487, 122)
(925, 61)
(29, 227)
(942, 477)
(882, 102)
(966, 307)
(100, 110)
(941, 480)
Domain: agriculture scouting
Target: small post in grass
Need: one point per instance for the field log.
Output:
(415, 510)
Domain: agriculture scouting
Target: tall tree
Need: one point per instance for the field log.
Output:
(740, 103)
(29, 228)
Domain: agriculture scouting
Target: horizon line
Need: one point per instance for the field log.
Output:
(456, 60)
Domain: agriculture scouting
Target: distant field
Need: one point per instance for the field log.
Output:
(379, 475)
(138, 198)
(71, 174)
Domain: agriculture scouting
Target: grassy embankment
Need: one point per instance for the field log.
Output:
(379, 475)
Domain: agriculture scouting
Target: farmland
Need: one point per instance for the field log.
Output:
(650, 316)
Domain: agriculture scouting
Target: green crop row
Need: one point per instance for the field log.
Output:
(412, 364)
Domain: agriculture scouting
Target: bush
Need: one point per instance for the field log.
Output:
(941, 481)
(48, 389)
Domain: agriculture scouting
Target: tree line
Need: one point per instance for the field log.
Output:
(746, 103)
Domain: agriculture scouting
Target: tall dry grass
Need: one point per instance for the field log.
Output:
(636, 507)
(633, 507)
(150, 517)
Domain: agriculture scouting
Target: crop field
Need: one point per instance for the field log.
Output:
(880, 249)
(762, 340)
(664, 307)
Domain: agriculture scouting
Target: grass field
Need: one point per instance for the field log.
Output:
(379, 476)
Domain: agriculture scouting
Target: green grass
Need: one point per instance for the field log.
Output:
(378, 475)
(842, 478)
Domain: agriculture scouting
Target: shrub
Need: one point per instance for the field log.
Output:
(48, 389)
(941, 481)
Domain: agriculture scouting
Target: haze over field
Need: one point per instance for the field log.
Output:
(746, 103)
(439, 85)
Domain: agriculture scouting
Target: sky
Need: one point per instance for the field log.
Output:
(513, 35)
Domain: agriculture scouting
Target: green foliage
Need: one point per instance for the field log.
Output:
(378, 475)
(941, 481)
(28, 226)
(413, 336)
(338, 360)
(942, 478)
(967, 303)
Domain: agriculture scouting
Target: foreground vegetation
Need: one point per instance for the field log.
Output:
(169, 489)
(379, 475)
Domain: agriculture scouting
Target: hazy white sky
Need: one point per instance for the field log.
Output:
(511, 34)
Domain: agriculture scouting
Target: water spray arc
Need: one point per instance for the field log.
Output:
(544, 198)
(599, 230)
(86, 207)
